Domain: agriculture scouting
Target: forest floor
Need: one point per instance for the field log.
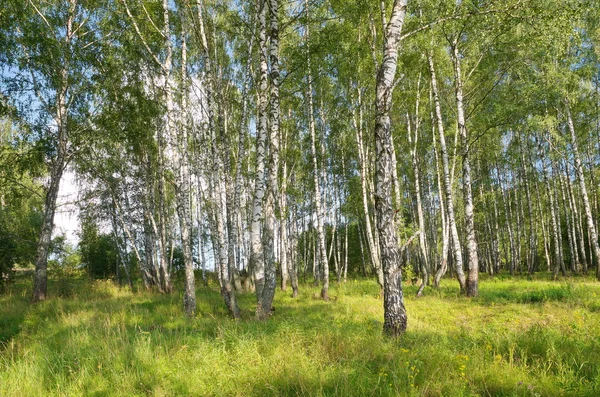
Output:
(518, 338)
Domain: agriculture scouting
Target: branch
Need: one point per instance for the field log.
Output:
(23, 186)
(456, 17)
(429, 25)
(410, 240)
(139, 33)
(43, 17)
(152, 22)
(36, 87)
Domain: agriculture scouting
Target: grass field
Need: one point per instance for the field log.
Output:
(518, 338)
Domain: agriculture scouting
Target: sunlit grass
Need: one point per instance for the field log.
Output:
(518, 338)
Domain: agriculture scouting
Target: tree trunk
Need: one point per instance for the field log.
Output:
(443, 268)
(472, 256)
(257, 257)
(456, 251)
(580, 238)
(568, 214)
(553, 216)
(292, 254)
(583, 188)
(421, 219)
(363, 163)
(532, 252)
(316, 180)
(268, 291)
(545, 233)
(59, 163)
(395, 318)
(40, 281)
(283, 230)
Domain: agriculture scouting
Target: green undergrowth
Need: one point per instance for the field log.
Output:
(518, 338)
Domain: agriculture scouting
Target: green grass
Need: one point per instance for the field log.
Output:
(518, 338)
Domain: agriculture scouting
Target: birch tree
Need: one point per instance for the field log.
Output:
(395, 318)
(53, 85)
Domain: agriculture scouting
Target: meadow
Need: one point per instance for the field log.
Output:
(518, 338)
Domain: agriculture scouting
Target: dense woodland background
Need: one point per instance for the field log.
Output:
(268, 142)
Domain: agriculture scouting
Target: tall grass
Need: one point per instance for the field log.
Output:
(518, 338)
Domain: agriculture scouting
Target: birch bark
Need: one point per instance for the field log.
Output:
(364, 174)
(472, 256)
(322, 252)
(395, 318)
(583, 188)
(40, 278)
(257, 255)
(456, 249)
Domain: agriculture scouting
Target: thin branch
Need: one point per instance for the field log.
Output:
(410, 240)
(152, 22)
(139, 33)
(468, 76)
(456, 17)
(43, 17)
(31, 190)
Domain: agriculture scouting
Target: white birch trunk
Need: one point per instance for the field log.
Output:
(364, 174)
(456, 249)
(421, 219)
(395, 318)
(322, 252)
(584, 195)
(257, 262)
(59, 162)
(472, 256)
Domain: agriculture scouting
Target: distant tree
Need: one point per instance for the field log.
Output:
(98, 251)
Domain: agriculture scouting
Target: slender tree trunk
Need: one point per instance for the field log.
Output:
(363, 163)
(346, 251)
(509, 227)
(395, 318)
(322, 252)
(583, 188)
(222, 257)
(532, 254)
(545, 233)
(457, 253)
(40, 281)
(283, 230)
(151, 270)
(268, 292)
(121, 242)
(578, 225)
(292, 254)
(396, 185)
(568, 213)
(553, 216)
(59, 163)
(257, 255)
(362, 251)
(496, 256)
(518, 233)
(421, 219)
(443, 268)
(472, 257)
(554, 184)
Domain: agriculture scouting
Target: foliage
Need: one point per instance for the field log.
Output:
(98, 252)
(20, 200)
